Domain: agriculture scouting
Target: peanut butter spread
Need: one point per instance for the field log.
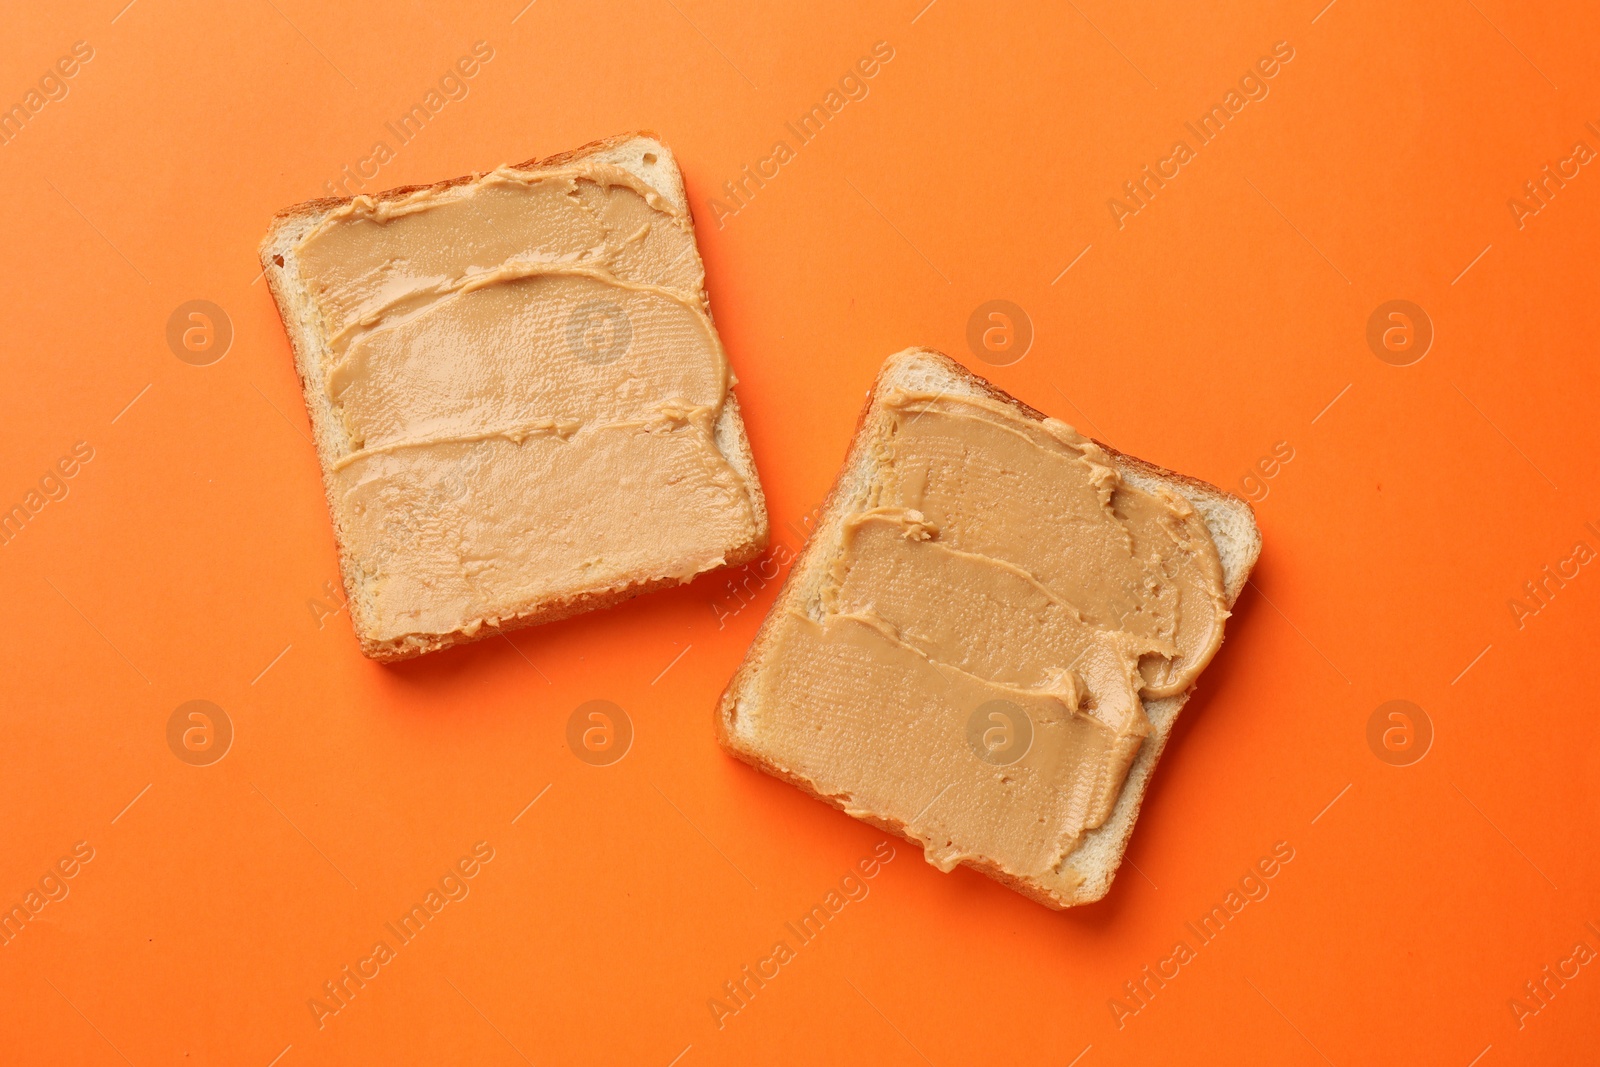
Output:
(973, 665)
(528, 383)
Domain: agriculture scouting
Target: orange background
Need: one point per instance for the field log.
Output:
(1220, 320)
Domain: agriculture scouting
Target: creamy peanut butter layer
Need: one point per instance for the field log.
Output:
(876, 720)
(529, 384)
(983, 615)
(1050, 500)
(1000, 602)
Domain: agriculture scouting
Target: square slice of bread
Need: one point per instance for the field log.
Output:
(1098, 853)
(591, 581)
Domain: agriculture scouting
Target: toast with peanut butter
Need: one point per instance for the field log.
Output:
(521, 405)
(986, 641)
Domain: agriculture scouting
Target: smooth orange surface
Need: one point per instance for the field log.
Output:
(191, 558)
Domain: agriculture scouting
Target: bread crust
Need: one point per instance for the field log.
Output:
(410, 646)
(323, 205)
(1128, 804)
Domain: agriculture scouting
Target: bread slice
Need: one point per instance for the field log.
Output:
(1229, 519)
(647, 159)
